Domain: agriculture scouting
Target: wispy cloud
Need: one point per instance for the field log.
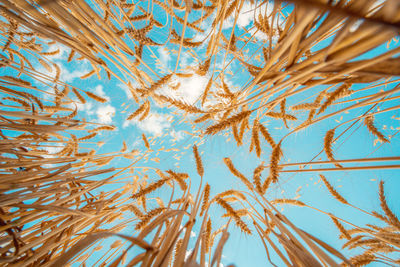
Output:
(189, 90)
(105, 113)
(164, 55)
(154, 124)
(177, 135)
(126, 89)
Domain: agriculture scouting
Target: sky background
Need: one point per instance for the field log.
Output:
(172, 135)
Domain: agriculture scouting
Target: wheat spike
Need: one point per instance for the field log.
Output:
(305, 106)
(163, 80)
(145, 219)
(87, 75)
(206, 196)
(391, 216)
(340, 227)
(79, 96)
(335, 95)
(362, 260)
(179, 104)
(369, 122)
(255, 139)
(238, 174)
(18, 100)
(146, 143)
(332, 190)
(178, 248)
(206, 90)
(87, 137)
(274, 162)
(265, 185)
(138, 111)
(203, 118)
(283, 111)
(103, 128)
(231, 212)
(71, 55)
(288, 201)
(199, 163)
(207, 235)
(234, 120)
(96, 97)
(328, 140)
(179, 179)
(135, 210)
(235, 133)
(152, 187)
(257, 177)
(231, 192)
(266, 135)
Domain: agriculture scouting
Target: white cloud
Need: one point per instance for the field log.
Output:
(192, 234)
(126, 89)
(190, 88)
(69, 76)
(165, 57)
(375, 4)
(65, 75)
(356, 25)
(177, 135)
(202, 36)
(87, 107)
(51, 150)
(154, 123)
(105, 113)
(187, 254)
(247, 15)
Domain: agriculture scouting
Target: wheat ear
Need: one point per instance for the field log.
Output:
(369, 122)
(328, 140)
(234, 120)
(394, 221)
(238, 174)
(332, 190)
(199, 163)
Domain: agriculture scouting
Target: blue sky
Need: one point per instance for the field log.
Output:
(171, 136)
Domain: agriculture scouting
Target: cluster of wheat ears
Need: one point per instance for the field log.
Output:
(308, 66)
